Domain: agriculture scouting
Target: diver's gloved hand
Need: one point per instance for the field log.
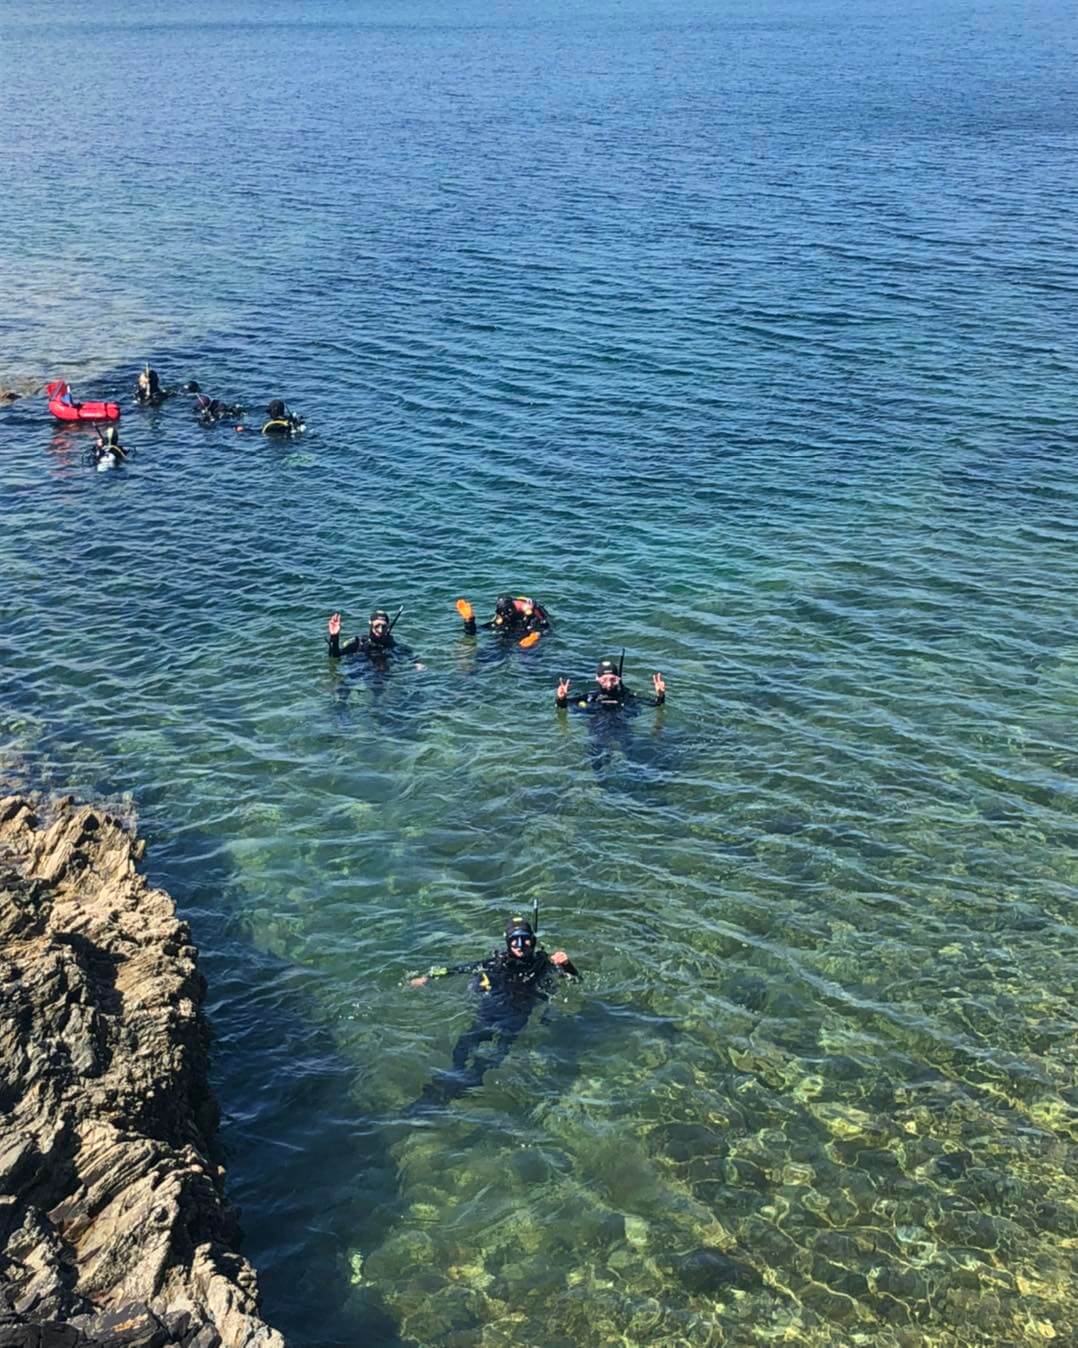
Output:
(334, 624)
(468, 614)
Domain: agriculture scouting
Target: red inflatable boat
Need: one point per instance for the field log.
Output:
(65, 408)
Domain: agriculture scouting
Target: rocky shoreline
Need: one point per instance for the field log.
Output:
(113, 1225)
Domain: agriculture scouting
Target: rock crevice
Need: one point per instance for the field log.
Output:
(113, 1224)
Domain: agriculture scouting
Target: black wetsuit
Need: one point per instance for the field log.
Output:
(617, 699)
(285, 424)
(379, 653)
(508, 990)
(210, 411)
(609, 716)
(107, 451)
(515, 624)
(152, 395)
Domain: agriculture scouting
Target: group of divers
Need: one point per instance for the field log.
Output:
(513, 980)
(519, 976)
(149, 392)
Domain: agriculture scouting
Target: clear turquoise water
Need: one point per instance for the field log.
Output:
(744, 337)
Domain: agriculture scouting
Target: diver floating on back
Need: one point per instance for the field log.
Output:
(518, 618)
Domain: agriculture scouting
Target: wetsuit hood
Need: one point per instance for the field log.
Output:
(607, 667)
(276, 409)
(520, 926)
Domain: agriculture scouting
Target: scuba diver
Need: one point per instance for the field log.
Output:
(520, 618)
(282, 420)
(148, 390)
(377, 644)
(210, 411)
(611, 694)
(610, 707)
(108, 452)
(509, 986)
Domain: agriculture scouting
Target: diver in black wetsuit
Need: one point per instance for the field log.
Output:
(209, 411)
(108, 452)
(517, 618)
(509, 985)
(377, 644)
(282, 420)
(610, 707)
(148, 390)
(611, 694)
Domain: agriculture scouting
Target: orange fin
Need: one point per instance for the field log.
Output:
(529, 640)
(465, 610)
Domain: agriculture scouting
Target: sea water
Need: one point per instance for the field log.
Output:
(741, 335)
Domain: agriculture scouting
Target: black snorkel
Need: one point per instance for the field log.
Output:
(535, 918)
(395, 617)
(621, 663)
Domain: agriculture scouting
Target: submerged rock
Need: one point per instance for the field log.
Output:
(113, 1225)
(12, 390)
(710, 1272)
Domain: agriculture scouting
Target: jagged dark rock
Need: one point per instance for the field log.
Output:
(113, 1225)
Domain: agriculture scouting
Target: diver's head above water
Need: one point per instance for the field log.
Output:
(276, 410)
(504, 609)
(607, 676)
(378, 629)
(520, 938)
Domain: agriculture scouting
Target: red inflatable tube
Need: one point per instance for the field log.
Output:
(64, 408)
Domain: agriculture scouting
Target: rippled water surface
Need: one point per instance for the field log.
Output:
(742, 335)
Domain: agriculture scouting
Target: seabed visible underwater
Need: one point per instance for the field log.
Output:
(741, 337)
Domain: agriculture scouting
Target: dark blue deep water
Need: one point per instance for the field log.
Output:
(743, 335)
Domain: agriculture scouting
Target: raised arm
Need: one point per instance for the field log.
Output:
(467, 614)
(336, 650)
(646, 699)
(575, 702)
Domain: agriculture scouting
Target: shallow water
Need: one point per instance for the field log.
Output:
(744, 338)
